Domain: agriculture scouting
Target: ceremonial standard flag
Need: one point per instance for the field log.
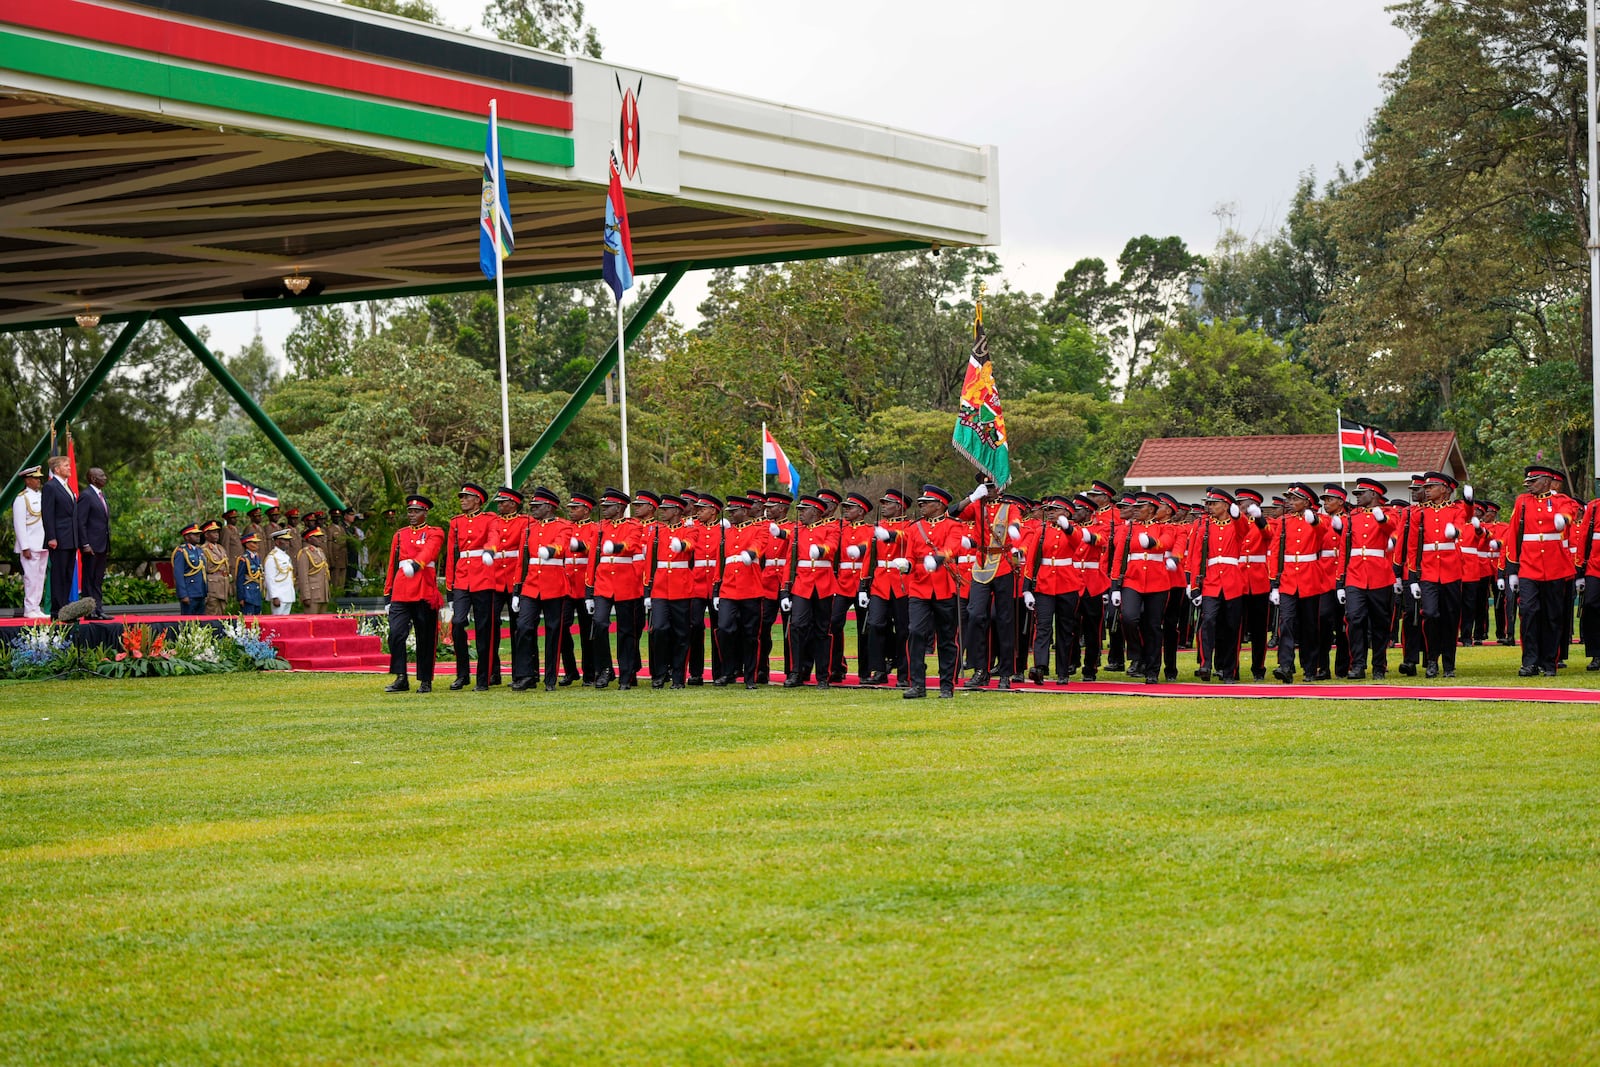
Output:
(778, 464)
(980, 433)
(618, 260)
(1367, 444)
(495, 242)
(241, 495)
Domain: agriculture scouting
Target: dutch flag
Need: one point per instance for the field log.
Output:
(778, 465)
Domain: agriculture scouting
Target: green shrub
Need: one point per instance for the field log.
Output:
(127, 589)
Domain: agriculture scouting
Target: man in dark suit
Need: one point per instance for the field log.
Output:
(57, 504)
(92, 520)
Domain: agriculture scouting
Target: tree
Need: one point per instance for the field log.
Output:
(420, 10)
(554, 25)
(1156, 273)
(1085, 293)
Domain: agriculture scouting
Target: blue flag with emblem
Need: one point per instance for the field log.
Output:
(495, 242)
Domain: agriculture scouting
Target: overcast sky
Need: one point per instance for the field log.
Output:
(1112, 119)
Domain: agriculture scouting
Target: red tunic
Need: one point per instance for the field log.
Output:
(743, 548)
(508, 556)
(887, 580)
(1053, 559)
(939, 537)
(547, 579)
(615, 571)
(1368, 561)
(469, 537)
(816, 553)
(1140, 568)
(672, 568)
(421, 545)
(856, 535)
(1295, 560)
(1217, 545)
(1431, 556)
(1535, 549)
(580, 559)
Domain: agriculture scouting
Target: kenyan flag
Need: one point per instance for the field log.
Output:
(1367, 444)
(240, 495)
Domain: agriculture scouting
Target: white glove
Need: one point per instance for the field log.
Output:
(1253, 511)
(1476, 524)
(716, 603)
(967, 542)
(1338, 524)
(980, 492)
(409, 567)
(1511, 584)
(727, 524)
(1233, 511)
(545, 552)
(588, 605)
(1561, 522)
(902, 565)
(881, 533)
(1172, 563)
(774, 529)
(1500, 584)
(1416, 591)
(488, 558)
(1391, 544)
(1466, 493)
(1146, 541)
(853, 552)
(575, 545)
(1578, 585)
(1397, 587)
(816, 552)
(1196, 599)
(676, 545)
(749, 556)
(1310, 517)
(647, 603)
(1450, 531)
(1377, 513)
(1014, 532)
(1027, 600)
(516, 602)
(1116, 598)
(930, 563)
(1087, 535)
(689, 521)
(1494, 546)
(786, 604)
(1064, 522)
(1340, 593)
(863, 600)
(608, 548)
(1273, 596)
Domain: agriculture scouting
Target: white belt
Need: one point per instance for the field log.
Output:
(1545, 536)
(705, 563)
(507, 555)
(476, 553)
(673, 565)
(850, 566)
(1471, 552)
(1329, 553)
(1378, 552)
(734, 559)
(616, 559)
(805, 564)
(1152, 556)
(1058, 563)
(1254, 559)
(1594, 537)
(1311, 558)
(1232, 561)
(1087, 564)
(966, 559)
(1448, 546)
(773, 563)
(537, 562)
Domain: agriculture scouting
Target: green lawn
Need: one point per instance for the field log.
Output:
(296, 869)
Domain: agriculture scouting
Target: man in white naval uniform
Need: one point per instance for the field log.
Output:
(277, 575)
(30, 543)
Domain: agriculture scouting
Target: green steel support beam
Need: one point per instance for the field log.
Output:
(604, 366)
(75, 404)
(252, 409)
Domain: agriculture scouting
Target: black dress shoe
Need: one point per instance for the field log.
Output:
(822, 683)
(568, 680)
(659, 683)
(1062, 679)
(677, 685)
(1322, 676)
(399, 685)
(1005, 683)
(622, 686)
(459, 683)
(1114, 667)
(1171, 676)
(915, 692)
(494, 679)
(978, 681)
(1527, 672)
(1355, 676)
(1258, 676)
(1380, 676)
(1594, 664)
(425, 687)
(752, 685)
(1549, 672)
(877, 679)
(1283, 674)
(520, 684)
(1035, 675)
(1204, 674)
(549, 687)
(1151, 679)
(1449, 672)
(792, 683)
(1432, 671)
(696, 680)
(1088, 676)
(480, 688)
(1408, 669)
(947, 692)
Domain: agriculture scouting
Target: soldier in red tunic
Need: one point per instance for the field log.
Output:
(541, 595)
(1366, 577)
(884, 579)
(808, 595)
(586, 538)
(739, 595)
(670, 592)
(1299, 581)
(614, 583)
(1214, 572)
(470, 553)
(412, 589)
(1433, 561)
(932, 543)
(1538, 567)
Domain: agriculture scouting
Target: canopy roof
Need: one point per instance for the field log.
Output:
(186, 155)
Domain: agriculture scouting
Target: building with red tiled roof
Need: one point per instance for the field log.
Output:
(1184, 466)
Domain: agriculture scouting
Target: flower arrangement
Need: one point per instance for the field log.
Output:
(144, 654)
(40, 651)
(196, 643)
(252, 650)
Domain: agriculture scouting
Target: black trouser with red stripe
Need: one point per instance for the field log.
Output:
(531, 611)
(991, 632)
(1440, 605)
(1541, 605)
(810, 636)
(1172, 627)
(697, 641)
(479, 605)
(1368, 612)
(1256, 609)
(1299, 626)
(1091, 627)
(888, 619)
(1058, 612)
(403, 615)
(932, 622)
(1220, 621)
(1141, 629)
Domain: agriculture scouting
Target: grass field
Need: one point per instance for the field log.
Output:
(296, 869)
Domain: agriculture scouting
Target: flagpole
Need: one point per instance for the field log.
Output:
(1338, 439)
(763, 457)
(500, 295)
(622, 391)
